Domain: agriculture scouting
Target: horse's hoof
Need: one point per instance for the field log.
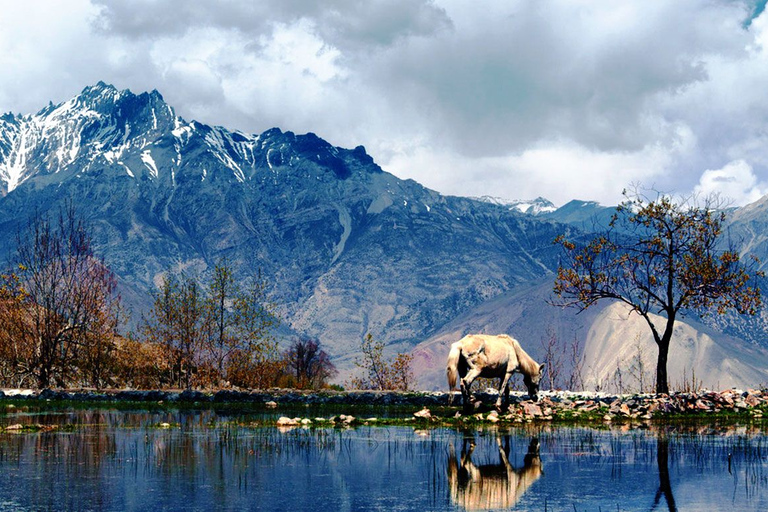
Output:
(472, 406)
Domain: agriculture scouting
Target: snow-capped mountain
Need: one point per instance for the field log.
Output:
(139, 136)
(100, 128)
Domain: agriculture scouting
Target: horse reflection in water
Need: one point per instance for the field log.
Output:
(491, 486)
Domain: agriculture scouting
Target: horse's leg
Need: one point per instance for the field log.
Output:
(466, 382)
(503, 390)
(504, 451)
(467, 447)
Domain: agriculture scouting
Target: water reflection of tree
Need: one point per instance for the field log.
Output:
(665, 485)
(683, 452)
(46, 461)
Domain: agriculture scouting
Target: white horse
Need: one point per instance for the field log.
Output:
(483, 355)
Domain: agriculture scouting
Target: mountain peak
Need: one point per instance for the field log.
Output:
(531, 207)
(101, 128)
(155, 95)
(99, 96)
(99, 88)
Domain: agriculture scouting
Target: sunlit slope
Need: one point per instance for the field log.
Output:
(618, 339)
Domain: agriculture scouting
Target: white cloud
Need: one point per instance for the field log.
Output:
(45, 49)
(558, 98)
(735, 182)
(564, 169)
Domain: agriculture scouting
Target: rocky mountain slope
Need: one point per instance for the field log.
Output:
(347, 247)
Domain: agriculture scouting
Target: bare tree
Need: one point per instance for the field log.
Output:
(177, 323)
(575, 379)
(375, 369)
(191, 327)
(225, 334)
(308, 365)
(158, 327)
(553, 357)
(222, 292)
(61, 302)
(659, 257)
(379, 373)
(256, 361)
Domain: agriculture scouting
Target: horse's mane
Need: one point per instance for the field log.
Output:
(527, 364)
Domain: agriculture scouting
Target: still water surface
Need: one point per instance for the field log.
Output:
(117, 460)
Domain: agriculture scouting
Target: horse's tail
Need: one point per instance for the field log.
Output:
(452, 369)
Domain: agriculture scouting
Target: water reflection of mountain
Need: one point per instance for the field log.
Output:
(495, 485)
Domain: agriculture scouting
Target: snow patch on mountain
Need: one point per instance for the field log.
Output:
(13, 165)
(114, 155)
(531, 207)
(146, 157)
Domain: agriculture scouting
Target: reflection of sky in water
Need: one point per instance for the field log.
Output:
(122, 461)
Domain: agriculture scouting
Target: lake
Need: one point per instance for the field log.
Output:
(207, 460)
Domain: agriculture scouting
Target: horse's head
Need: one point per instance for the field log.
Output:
(532, 383)
(532, 457)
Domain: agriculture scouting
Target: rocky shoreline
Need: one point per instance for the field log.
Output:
(574, 406)
(552, 405)
(280, 396)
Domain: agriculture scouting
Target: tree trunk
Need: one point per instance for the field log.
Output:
(662, 381)
(43, 379)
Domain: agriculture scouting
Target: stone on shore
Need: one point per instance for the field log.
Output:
(424, 414)
(284, 421)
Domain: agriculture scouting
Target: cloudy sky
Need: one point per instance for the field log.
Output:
(510, 98)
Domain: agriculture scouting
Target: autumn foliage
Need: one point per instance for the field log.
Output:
(60, 317)
(60, 306)
(376, 372)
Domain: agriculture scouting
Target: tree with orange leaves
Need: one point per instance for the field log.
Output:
(661, 257)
